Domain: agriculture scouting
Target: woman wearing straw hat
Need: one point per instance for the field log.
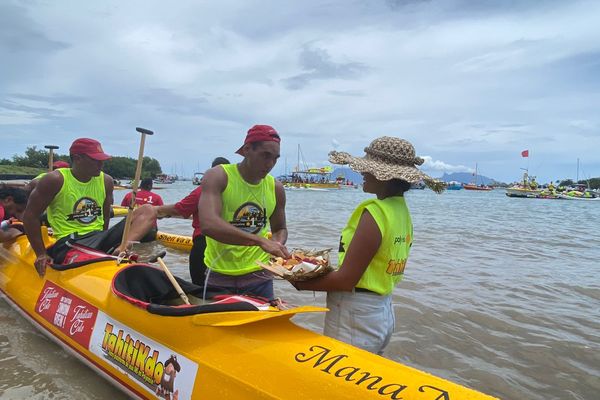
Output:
(374, 246)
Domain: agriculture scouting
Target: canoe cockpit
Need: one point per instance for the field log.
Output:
(149, 288)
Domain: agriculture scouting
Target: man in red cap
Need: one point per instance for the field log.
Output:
(60, 164)
(238, 203)
(78, 201)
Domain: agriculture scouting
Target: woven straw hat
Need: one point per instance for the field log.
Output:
(389, 158)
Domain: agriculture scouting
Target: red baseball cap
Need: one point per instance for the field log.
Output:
(260, 133)
(60, 164)
(90, 148)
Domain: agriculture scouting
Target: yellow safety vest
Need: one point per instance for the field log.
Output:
(247, 207)
(77, 207)
(387, 266)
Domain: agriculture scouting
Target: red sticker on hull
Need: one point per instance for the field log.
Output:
(72, 315)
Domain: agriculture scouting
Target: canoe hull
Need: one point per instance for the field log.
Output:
(251, 354)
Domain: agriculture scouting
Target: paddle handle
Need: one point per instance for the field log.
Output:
(134, 188)
(50, 148)
(174, 282)
(138, 170)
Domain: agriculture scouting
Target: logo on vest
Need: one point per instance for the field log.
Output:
(85, 211)
(250, 218)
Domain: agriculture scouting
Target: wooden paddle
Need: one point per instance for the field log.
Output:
(134, 187)
(51, 149)
(174, 282)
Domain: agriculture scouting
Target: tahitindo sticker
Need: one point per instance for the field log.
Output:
(70, 314)
(154, 367)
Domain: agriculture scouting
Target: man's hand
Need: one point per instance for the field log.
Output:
(275, 248)
(41, 262)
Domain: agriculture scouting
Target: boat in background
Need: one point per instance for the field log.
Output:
(474, 186)
(164, 179)
(470, 186)
(313, 178)
(579, 192)
(197, 179)
(527, 188)
(345, 183)
(454, 185)
(309, 178)
(580, 198)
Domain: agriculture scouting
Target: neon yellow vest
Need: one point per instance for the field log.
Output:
(77, 207)
(387, 266)
(247, 207)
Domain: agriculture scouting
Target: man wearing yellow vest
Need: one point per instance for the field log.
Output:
(374, 246)
(238, 203)
(78, 201)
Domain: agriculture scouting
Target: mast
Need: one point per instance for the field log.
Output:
(577, 181)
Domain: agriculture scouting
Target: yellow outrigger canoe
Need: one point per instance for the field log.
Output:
(98, 313)
(179, 242)
(119, 211)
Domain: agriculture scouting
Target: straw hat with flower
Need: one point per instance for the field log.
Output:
(389, 158)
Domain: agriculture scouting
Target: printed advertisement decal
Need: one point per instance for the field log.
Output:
(156, 368)
(72, 315)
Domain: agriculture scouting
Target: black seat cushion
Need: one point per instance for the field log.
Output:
(149, 287)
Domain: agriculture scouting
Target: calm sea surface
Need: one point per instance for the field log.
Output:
(500, 294)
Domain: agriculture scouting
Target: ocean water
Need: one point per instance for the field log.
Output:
(500, 294)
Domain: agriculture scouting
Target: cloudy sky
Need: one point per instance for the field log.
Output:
(465, 81)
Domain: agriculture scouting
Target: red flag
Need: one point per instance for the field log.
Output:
(525, 153)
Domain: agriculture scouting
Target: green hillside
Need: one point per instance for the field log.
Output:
(18, 170)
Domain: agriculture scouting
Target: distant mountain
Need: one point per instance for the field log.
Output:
(463, 177)
(348, 174)
(467, 177)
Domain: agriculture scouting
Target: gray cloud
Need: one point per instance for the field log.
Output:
(318, 64)
(20, 34)
(23, 45)
(349, 93)
(57, 99)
